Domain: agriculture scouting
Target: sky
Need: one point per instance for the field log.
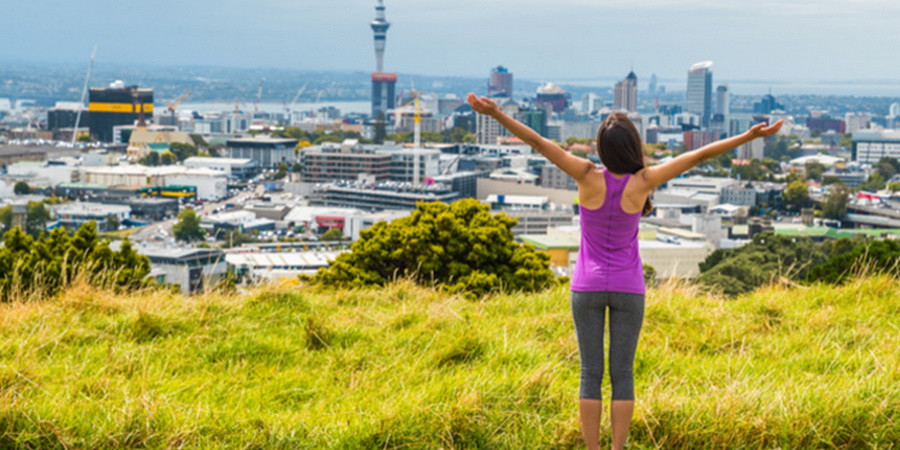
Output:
(792, 41)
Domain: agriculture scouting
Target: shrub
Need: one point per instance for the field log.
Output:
(461, 247)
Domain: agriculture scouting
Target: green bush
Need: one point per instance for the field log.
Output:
(881, 256)
(461, 247)
(767, 258)
(37, 268)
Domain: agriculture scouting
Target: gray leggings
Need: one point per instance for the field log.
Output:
(626, 312)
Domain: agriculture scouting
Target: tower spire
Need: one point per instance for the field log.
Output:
(380, 27)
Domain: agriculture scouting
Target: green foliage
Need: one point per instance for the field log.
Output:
(187, 228)
(40, 267)
(754, 171)
(814, 170)
(834, 205)
(766, 258)
(796, 196)
(167, 158)
(649, 275)
(334, 234)
(182, 151)
(875, 182)
(461, 247)
(457, 135)
(21, 188)
(780, 148)
(881, 256)
(151, 159)
(36, 218)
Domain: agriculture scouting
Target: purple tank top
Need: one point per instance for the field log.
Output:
(608, 258)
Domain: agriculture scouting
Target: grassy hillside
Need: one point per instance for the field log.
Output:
(407, 367)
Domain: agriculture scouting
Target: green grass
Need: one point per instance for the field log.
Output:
(408, 367)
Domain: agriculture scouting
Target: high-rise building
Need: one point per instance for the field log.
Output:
(487, 130)
(766, 105)
(723, 103)
(553, 97)
(626, 93)
(117, 105)
(651, 89)
(383, 83)
(699, 91)
(501, 83)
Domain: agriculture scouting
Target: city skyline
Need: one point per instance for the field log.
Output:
(794, 40)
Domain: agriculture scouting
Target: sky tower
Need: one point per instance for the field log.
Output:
(380, 27)
(383, 83)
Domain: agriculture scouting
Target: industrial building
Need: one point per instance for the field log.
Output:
(117, 105)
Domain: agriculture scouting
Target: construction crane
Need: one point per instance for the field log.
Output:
(84, 92)
(290, 108)
(174, 105)
(258, 96)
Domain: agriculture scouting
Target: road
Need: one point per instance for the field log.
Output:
(164, 228)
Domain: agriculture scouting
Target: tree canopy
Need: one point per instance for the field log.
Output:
(45, 265)
(461, 247)
(187, 228)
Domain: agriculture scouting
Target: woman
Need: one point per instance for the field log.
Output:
(608, 272)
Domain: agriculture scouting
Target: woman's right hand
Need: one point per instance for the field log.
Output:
(761, 130)
(483, 105)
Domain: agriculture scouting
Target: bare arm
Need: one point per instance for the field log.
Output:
(576, 167)
(657, 175)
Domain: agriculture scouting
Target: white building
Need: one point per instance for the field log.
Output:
(870, 146)
(193, 269)
(269, 267)
(239, 168)
(73, 214)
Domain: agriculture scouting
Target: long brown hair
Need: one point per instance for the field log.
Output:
(620, 149)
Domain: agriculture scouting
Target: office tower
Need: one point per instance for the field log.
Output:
(699, 91)
(117, 105)
(723, 103)
(894, 110)
(766, 105)
(501, 83)
(651, 89)
(626, 93)
(383, 83)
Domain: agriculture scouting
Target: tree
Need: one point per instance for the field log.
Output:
(765, 259)
(112, 222)
(814, 170)
(21, 188)
(36, 218)
(458, 135)
(151, 159)
(880, 256)
(167, 158)
(796, 196)
(460, 247)
(85, 137)
(834, 205)
(187, 228)
(334, 234)
(182, 151)
(43, 266)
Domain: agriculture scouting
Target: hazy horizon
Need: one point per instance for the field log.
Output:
(790, 41)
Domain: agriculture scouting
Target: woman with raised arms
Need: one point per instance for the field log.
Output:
(608, 273)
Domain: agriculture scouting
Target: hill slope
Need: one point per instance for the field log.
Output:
(407, 367)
